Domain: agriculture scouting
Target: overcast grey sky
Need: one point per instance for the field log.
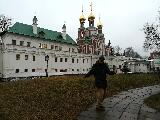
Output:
(122, 19)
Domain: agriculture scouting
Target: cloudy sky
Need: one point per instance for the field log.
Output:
(122, 20)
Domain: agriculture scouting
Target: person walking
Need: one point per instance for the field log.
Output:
(100, 71)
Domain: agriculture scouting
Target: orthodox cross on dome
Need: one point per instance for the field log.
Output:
(82, 8)
(35, 13)
(82, 18)
(91, 17)
(91, 6)
(100, 21)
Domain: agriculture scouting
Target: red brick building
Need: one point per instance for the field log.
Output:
(91, 39)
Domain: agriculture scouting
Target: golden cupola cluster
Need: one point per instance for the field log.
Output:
(82, 18)
(99, 24)
(91, 17)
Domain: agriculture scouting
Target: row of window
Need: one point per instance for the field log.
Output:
(56, 70)
(55, 47)
(139, 65)
(14, 42)
(26, 57)
(56, 59)
(25, 70)
(73, 60)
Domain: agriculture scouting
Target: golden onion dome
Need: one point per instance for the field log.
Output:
(99, 23)
(91, 16)
(82, 17)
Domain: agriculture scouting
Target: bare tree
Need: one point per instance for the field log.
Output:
(129, 52)
(5, 23)
(117, 50)
(152, 35)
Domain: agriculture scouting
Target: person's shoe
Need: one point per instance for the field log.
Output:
(100, 108)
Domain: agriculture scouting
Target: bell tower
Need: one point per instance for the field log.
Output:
(99, 26)
(81, 30)
(91, 18)
(82, 19)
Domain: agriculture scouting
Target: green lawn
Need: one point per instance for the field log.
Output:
(59, 98)
(153, 102)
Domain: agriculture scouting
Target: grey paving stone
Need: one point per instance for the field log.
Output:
(120, 107)
(134, 105)
(109, 104)
(144, 115)
(128, 116)
(157, 116)
(138, 101)
(120, 97)
(133, 109)
(113, 113)
(145, 108)
(114, 99)
(94, 115)
(149, 119)
(109, 117)
(128, 105)
(123, 93)
(83, 118)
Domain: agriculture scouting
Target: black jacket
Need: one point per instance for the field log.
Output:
(100, 71)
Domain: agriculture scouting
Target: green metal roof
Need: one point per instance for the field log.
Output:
(24, 29)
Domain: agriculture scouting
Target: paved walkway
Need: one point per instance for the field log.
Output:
(127, 105)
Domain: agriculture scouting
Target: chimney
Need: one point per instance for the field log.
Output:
(35, 25)
(64, 32)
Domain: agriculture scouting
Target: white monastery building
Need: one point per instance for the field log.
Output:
(28, 50)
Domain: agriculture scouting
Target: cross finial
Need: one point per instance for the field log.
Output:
(91, 6)
(82, 8)
(35, 13)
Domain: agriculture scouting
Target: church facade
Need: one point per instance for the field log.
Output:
(91, 39)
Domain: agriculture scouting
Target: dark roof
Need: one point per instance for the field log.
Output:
(24, 29)
(142, 61)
